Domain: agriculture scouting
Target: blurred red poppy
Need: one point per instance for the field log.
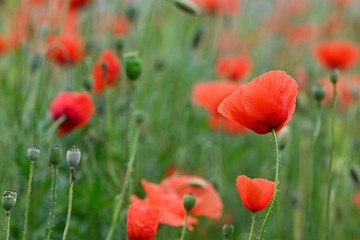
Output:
(265, 103)
(142, 222)
(337, 53)
(77, 107)
(219, 6)
(66, 48)
(167, 197)
(105, 71)
(233, 67)
(357, 199)
(121, 25)
(255, 193)
(3, 44)
(209, 95)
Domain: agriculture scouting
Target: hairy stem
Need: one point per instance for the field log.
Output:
(31, 172)
(68, 219)
(53, 201)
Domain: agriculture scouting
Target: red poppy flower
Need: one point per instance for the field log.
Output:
(265, 103)
(255, 193)
(142, 222)
(66, 48)
(105, 71)
(121, 25)
(219, 6)
(168, 198)
(233, 67)
(78, 108)
(3, 44)
(337, 54)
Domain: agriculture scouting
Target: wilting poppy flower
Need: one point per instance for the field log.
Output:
(142, 222)
(337, 53)
(255, 193)
(167, 198)
(66, 48)
(233, 67)
(265, 103)
(209, 95)
(77, 107)
(105, 71)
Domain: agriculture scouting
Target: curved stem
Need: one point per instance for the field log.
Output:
(252, 225)
(276, 184)
(120, 200)
(68, 219)
(31, 172)
(7, 226)
(184, 227)
(53, 200)
(332, 152)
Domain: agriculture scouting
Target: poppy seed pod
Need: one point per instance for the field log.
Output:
(9, 200)
(189, 201)
(33, 153)
(133, 66)
(188, 7)
(318, 92)
(334, 75)
(228, 230)
(55, 155)
(73, 156)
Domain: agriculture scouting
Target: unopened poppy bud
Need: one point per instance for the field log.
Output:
(318, 92)
(133, 66)
(9, 200)
(87, 83)
(188, 7)
(140, 117)
(189, 201)
(55, 155)
(119, 43)
(283, 137)
(33, 153)
(334, 75)
(73, 156)
(228, 231)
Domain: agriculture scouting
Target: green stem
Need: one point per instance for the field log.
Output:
(120, 200)
(276, 184)
(184, 227)
(53, 200)
(146, 30)
(332, 152)
(68, 219)
(8, 226)
(252, 225)
(31, 172)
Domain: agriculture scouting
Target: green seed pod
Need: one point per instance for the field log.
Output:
(187, 7)
(9, 200)
(55, 154)
(73, 156)
(33, 153)
(133, 67)
(228, 231)
(189, 201)
(318, 92)
(334, 75)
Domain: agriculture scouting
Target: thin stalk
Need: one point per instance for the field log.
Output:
(68, 219)
(276, 183)
(332, 152)
(53, 201)
(7, 226)
(184, 227)
(31, 172)
(120, 199)
(146, 30)
(252, 225)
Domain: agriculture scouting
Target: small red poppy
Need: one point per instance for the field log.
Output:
(233, 67)
(265, 103)
(337, 53)
(66, 48)
(78, 108)
(142, 222)
(121, 25)
(255, 193)
(105, 71)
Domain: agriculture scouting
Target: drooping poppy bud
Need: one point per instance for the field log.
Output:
(187, 6)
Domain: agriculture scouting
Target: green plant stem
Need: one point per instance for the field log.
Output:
(332, 152)
(68, 219)
(252, 225)
(120, 199)
(184, 227)
(31, 172)
(276, 184)
(7, 226)
(53, 201)
(146, 29)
